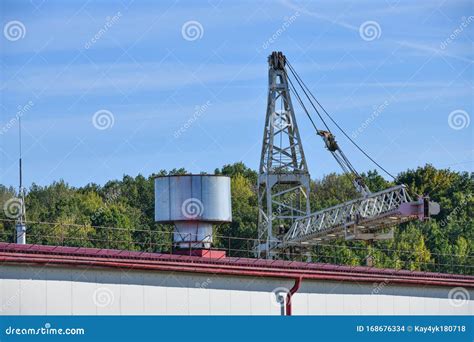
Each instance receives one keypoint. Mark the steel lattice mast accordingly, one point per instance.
(284, 180)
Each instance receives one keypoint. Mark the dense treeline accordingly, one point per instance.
(62, 214)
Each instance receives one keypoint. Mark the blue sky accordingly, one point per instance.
(197, 98)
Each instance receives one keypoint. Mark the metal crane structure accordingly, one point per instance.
(285, 218)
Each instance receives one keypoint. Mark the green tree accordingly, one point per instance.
(244, 214)
(120, 214)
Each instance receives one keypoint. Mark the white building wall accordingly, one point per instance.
(337, 298)
(38, 290)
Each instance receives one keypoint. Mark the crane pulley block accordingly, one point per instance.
(329, 140)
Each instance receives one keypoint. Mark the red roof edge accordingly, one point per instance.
(93, 257)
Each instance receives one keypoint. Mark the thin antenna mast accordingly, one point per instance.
(21, 220)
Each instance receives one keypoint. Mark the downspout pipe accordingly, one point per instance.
(293, 290)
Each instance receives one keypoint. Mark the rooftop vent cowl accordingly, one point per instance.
(193, 203)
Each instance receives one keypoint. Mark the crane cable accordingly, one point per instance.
(336, 157)
(293, 89)
(304, 86)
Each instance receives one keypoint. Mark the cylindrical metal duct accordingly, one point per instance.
(193, 203)
(20, 233)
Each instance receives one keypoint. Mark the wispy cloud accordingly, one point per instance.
(108, 78)
(433, 51)
(365, 11)
(319, 15)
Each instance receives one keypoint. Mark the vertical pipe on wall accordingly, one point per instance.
(293, 290)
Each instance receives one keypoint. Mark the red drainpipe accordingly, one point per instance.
(291, 293)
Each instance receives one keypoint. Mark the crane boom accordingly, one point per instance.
(360, 219)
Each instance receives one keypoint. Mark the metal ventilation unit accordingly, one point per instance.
(193, 203)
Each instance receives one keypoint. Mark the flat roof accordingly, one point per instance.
(11, 253)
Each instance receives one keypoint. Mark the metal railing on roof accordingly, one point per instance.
(161, 241)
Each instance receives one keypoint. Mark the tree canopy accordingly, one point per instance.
(120, 214)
